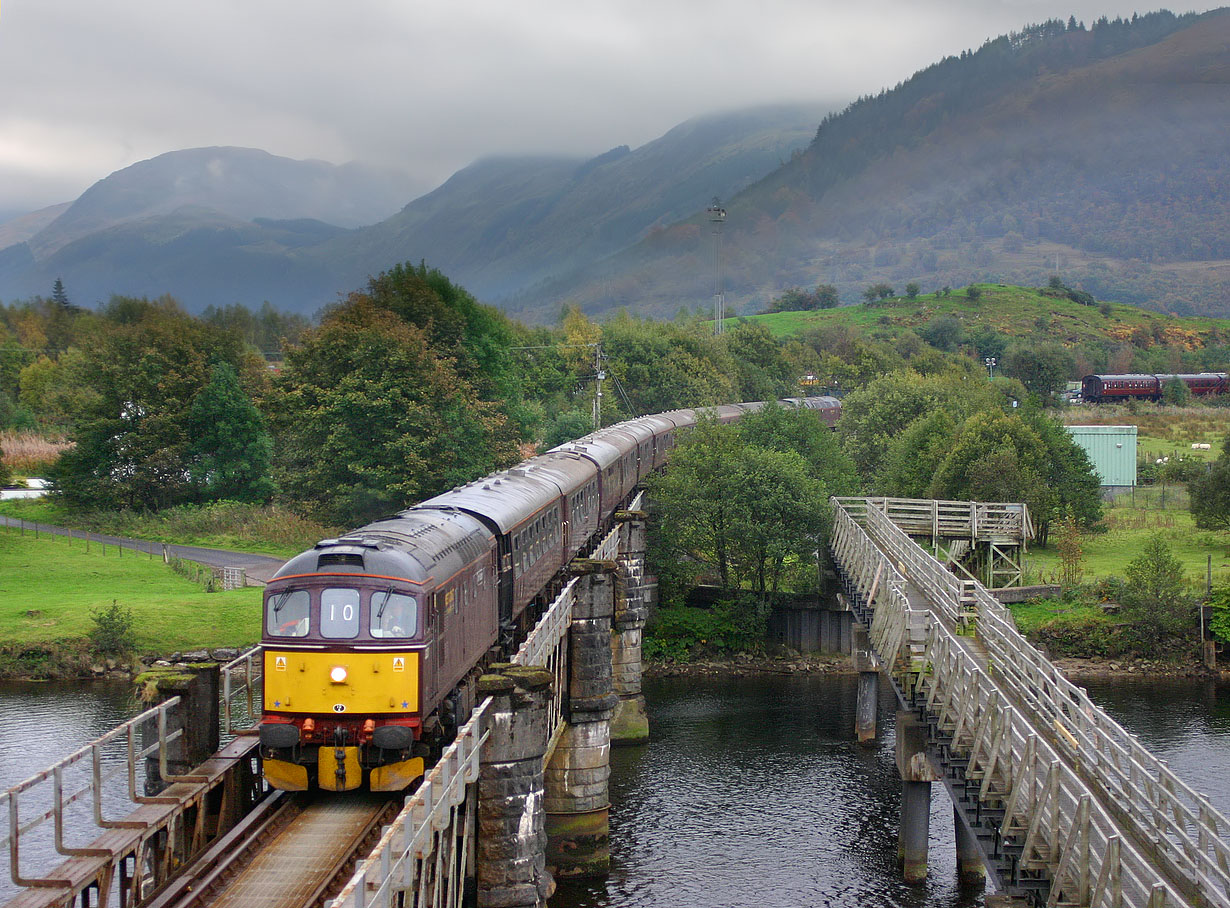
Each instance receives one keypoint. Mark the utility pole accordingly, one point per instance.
(717, 217)
(599, 375)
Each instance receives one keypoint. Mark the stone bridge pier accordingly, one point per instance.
(630, 724)
(578, 773)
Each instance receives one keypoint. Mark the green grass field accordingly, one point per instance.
(49, 586)
(1129, 528)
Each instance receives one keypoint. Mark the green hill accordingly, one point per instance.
(1020, 312)
(1099, 150)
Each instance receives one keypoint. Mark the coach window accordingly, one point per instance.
(393, 615)
(286, 613)
(339, 613)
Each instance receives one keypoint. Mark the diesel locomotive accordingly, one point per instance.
(373, 641)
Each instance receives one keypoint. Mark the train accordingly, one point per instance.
(373, 642)
(1102, 388)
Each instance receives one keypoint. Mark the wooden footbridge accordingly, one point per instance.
(1066, 807)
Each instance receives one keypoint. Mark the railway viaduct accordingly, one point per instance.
(1053, 801)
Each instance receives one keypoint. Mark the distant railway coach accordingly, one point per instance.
(1148, 386)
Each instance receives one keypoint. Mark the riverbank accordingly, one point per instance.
(72, 660)
(746, 664)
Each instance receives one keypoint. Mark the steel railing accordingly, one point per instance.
(240, 678)
(103, 766)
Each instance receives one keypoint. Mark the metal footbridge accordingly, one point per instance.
(1068, 808)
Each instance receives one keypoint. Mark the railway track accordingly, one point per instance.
(292, 851)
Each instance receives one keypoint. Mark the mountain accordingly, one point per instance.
(22, 227)
(177, 220)
(504, 224)
(216, 226)
(1099, 150)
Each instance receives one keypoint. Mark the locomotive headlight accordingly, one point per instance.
(337, 674)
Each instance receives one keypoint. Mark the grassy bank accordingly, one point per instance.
(263, 529)
(1129, 527)
(49, 586)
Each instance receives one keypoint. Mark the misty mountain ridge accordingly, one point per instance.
(215, 226)
(1096, 151)
(1100, 150)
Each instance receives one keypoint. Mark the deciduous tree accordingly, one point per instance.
(371, 418)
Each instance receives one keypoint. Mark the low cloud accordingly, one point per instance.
(430, 86)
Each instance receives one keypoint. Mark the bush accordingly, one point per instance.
(1083, 638)
(113, 633)
(682, 633)
(1155, 599)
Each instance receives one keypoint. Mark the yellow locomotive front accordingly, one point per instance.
(342, 681)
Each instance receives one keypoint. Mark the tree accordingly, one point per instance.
(1210, 494)
(1155, 598)
(879, 291)
(915, 455)
(1042, 367)
(826, 296)
(973, 292)
(1176, 392)
(59, 296)
(1071, 551)
(912, 290)
(1069, 475)
(944, 332)
(372, 417)
(231, 449)
(802, 432)
(144, 367)
(996, 457)
(565, 427)
(743, 510)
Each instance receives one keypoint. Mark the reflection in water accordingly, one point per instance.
(752, 792)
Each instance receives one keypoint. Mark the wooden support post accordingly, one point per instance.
(867, 666)
(971, 871)
(917, 774)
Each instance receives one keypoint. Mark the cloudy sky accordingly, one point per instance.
(429, 86)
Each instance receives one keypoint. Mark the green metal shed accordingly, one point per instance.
(1111, 450)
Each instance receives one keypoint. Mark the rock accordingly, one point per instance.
(97, 669)
(225, 654)
(162, 663)
(196, 655)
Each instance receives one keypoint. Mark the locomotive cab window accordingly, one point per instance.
(286, 613)
(393, 615)
(339, 612)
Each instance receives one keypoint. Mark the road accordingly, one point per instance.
(258, 568)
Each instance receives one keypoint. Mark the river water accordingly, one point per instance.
(751, 793)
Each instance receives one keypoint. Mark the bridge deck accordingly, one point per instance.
(136, 831)
(292, 869)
